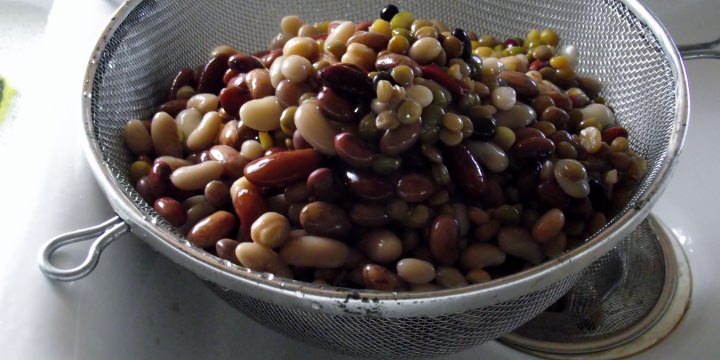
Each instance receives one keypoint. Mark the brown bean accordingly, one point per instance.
(185, 77)
(450, 277)
(259, 258)
(556, 116)
(397, 140)
(249, 205)
(210, 79)
(229, 135)
(373, 40)
(173, 107)
(415, 271)
(548, 226)
(486, 232)
(289, 93)
(314, 251)
(518, 242)
(211, 229)
(528, 132)
(542, 102)
(244, 63)
(481, 255)
(534, 148)
(348, 81)
(164, 133)
(415, 188)
(376, 277)
(353, 150)
(368, 185)
(334, 106)
(225, 249)
(389, 61)
(233, 163)
(325, 219)
(232, 98)
(271, 230)
(444, 240)
(552, 195)
(137, 138)
(381, 246)
(258, 83)
(465, 170)
(561, 100)
(322, 185)
(297, 192)
(171, 210)
(369, 215)
(491, 156)
(523, 84)
(556, 246)
(478, 276)
(217, 194)
(282, 169)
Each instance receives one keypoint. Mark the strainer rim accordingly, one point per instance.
(343, 301)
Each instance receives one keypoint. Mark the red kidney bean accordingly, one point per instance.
(465, 170)
(211, 75)
(321, 184)
(225, 249)
(232, 98)
(535, 148)
(269, 58)
(233, 163)
(444, 240)
(369, 215)
(299, 142)
(552, 195)
(159, 178)
(610, 134)
(243, 63)
(348, 81)
(289, 93)
(538, 64)
(523, 84)
(415, 188)
(185, 77)
(145, 190)
(527, 132)
(556, 116)
(284, 168)
(560, 136)
(230, 74)
(561, 100)
(377, 277)
(173, 107)
(211, 229)
(353, 151)
(274, 150)
(391, 60)
(363, 26)
(368, 185)
(334, 106)
(171, 210)
(325, 219)
(249, 205)
(397, 140)
(437, 74)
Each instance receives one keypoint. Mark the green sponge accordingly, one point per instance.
(6, 94)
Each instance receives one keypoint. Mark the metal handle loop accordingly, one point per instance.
(103, 234)
(708, 50)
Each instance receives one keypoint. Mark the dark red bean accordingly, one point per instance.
(415, 188)
(159, 177)
(269, 58)
(249, 205)
(523, 84)
(211, 76)
(321, 184)
(274, 150)
(185, 77)
(368, 185)
(325, 219)
(598, 195)
(348, 81)
(363, 26)
(145, 190)
(209, 230)
(551, 195)
(299, 142)
(397, 140)
(538, 64)
(379, 278)
(243, 63)
(528, 132)
(437, 74)
(334, 106)
(610, 134)
(369, 215)
(233, 163)
(465, 170)
(284, 168)
(542, 102)
(494, 196)
(173, 107)
(229, 75)
(389, 61)
(444, 240)
(556, 116)
(232, 98)
(353, 150)
(289, 93)
(217, 194)
(561, 100)
(534, 148)
(171, 210)
(225, 249)
(560, 136)
(527, 179)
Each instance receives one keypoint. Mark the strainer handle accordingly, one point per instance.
(708, 50)
(103, 234)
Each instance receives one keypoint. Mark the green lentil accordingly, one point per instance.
(512, 51)
(185, 92)
(383, 164)
(452, 122)
(566, 150)
(402, 20)
(402, 74)
(287, 120)
(487, 40)
(549, 37)
(504, 137)
(425, 31)
(367, 129)
(409, 112)
(384, 91)
(450, 138)
(398, 44)
(387, 120)
(404, 33)
(441, 175)
(453, 46)
(468, 128)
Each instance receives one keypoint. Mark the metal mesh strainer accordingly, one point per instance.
(620, 43)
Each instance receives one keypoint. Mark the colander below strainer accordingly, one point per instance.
(620, 43)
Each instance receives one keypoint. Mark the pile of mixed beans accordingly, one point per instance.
(393, 154)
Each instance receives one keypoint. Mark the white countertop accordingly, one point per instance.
(139, 305)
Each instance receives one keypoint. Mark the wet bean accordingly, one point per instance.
(249, 205)
(376, 277)
(487, 231)
(481, 255)
(369, 215)
(259, 258)
(397, 140)
(262, 114)
(211, 76)
(244, 63)
(303, 46)
(368, 185)
(315, 128)
(232, 161)
(325, 219)
(232, 98)
(489, 155)
(348, 81)
(572, 178)
(283, 168)
(171, 210)
(185, 77)
(225, 249)
(548, 226)
(449, 278)
(197, 176)
(205, 133)
(335, 107)
(520, 115)
(137, 138)
(465, 170)
(217, 194)
(415, 188)
(211, 229)
(518, 242)
(391, 60)
(270, 230)
(415, 271)
(444, 240)
(315, 252)
(523, 85)
(599, 112)
(534, 148)
(381, 246)
(164, 134)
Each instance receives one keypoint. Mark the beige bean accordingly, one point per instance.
(449, 277)
(188, 120)
(291, 24)
(251, 149)
(314, 251)
(259, 258)
(478, 276)
(481, 255)
(165, 137)
(308, 30)
(303, 46)
(239, 184)
(425, 50)
(174, 162)
(341, 33)
(420, 94)
(296, 68)
(491, 156)
(518, 242)
(548, 226)
(360, 55)
(205, 133)
(381, 246)
(315, 128)
(262, 114)
(195, 177)
(275, 71)
(203, 102)
(415, 271)
(137, 138)
(212, 228)
(259, 83)
(270, 230)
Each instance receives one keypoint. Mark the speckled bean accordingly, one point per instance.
(314, 251)
(211, 229)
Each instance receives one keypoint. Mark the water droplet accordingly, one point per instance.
(316, 306)
(267, 276)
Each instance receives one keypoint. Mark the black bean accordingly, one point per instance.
(388, 12)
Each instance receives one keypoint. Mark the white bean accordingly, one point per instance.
(195, 177)
(315, 128)
(262, 114)
(205, 133)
